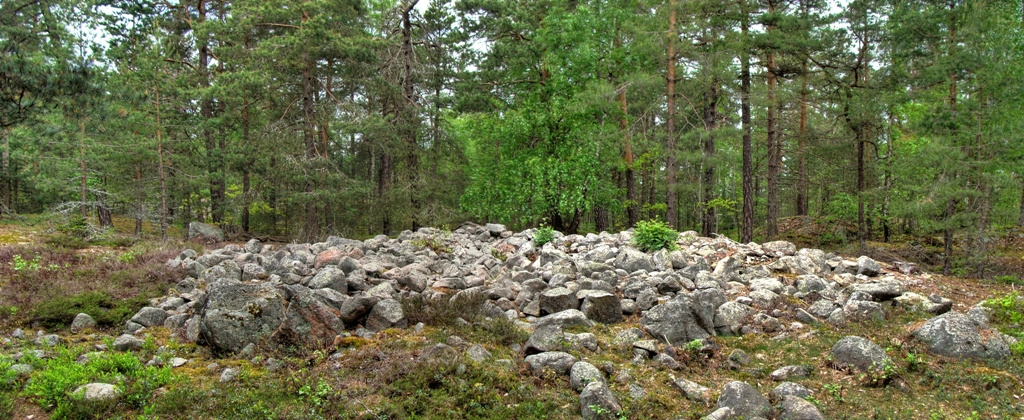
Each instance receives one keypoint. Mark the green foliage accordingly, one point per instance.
(51, 385)
(20, 264)
(1008, 317)
(653, 235)
(76, 226)
(107, 311)
(543, 235)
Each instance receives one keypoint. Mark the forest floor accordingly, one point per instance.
(47, 277)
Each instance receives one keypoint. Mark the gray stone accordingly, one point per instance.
(603, 307)
(790, 372)
(355, 308)
(495, 229)
(598, 403)
(204, 233)
(565, 319)
(789, 389)
(770, 283)
(730, 316)
(956, 335)
(544, 339)
(127, 342)
(150, 317)
(868, 266)
(557, 300)
(692, 390)
(859, 310)
(810, 283)
(822, 308)
(937, 305)
(779, 248)
(859, 354)
(880, 291)
(806, 317)
(796, 408)
(478, 353)
(675, 322)
(228, 375)
(97, 391)
(631, 260)
(583, 373)
(82, 322)
(329, 278)
(744, 400)
(49, 340)
(386, 314)
(723, 413)
(557, 361)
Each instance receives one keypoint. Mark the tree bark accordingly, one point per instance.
(632, 205)
(671, 201)
(5, 183)
(206, 111)
(801, 185)
(246, 171)
(947, 234)
(81, 162)
(409, 118)
(312, 223)
(774, 149)
(709, 222)
(160, 167)
(138, 200)
(748, 159)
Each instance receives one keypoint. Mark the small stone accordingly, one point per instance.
(82, 322)
(228, 375)
(178, 362)
(127, 342)
(693, 390)
(789, 388)
(744, 400)
(798, 408)
(478, 353)
(49, 340)
(790, 372)
(583, 373)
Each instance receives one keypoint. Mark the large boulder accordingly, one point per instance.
(602, 307)
(236, 314)
(557, 300)
(583, 373)
(204, 233)
(676, 322)
(956, 335)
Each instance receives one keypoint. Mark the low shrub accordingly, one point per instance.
(543, 235)
(108, 312)
(443, 310)
(653, 235)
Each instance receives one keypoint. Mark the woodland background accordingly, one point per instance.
(867, 120)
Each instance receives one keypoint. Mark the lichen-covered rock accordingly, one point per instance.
(797, 408)
(556, 361)
(97, 391)
(956, 335)
(582, 373)
(82, 322)
(859, 354)
(598, 403)
(603, 307)
(744, 400)
(386, 314)
(675, 322)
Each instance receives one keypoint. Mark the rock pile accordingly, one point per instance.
(310, 294)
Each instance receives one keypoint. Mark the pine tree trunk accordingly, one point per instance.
(138, 200)
(81, 162)
(312, 223)
(709, 221)
(774, 149)
(801, 186)
(409, 117)
(160, 167)
(5, 182)
(748, 159)
(671, 201)
(246, 171)
(632, 205)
